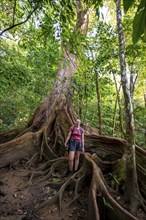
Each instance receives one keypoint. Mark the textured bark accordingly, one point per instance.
(19, 148)
(132, 80)
(9, 135)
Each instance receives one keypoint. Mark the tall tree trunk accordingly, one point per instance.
(145, 128)
(120, 107)
(132, 80)
(98, 101)
(67, 67)
(132, 188)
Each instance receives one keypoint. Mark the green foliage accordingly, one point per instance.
(56, 179)
(139, 112)
(28, 68)
(30, 55)
(106, 203)
(114, 178)
(101, 54)
(14, 13)
(99, 57)
(127, 4)
(139, 22)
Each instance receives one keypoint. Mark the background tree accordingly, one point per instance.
(132, 188)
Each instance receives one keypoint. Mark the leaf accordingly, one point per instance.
(106, 203)
(145, 27)
(97, 3)
(97, 12)
(56, 180)
(127, 4)
(139, 22)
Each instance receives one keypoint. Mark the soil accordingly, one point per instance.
(18, 201)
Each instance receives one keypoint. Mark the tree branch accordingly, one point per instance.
(14, 10)
(22, 22)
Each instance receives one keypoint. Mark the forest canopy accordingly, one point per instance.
(30, 54)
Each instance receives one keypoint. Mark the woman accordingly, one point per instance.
(75, 144)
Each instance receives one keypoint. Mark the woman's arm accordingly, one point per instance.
(67, 139)
(83, 142)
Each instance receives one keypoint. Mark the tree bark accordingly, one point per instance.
(132, 80)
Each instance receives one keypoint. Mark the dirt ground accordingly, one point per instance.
(18, 202)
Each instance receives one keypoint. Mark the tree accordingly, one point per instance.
(46, 133)
(132, 188)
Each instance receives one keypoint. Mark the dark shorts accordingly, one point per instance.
(74, 145)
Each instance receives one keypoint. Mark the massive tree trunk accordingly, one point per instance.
(45, 136)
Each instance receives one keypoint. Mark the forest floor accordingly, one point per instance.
(18, 202)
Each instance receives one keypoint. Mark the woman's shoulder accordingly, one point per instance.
(82, 129)
(71, 128)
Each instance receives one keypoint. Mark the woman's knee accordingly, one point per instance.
(71, 156)
(77, 157)
(70, 160)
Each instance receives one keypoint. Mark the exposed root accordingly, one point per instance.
(98, 186)
(71, 182)
(50, 137)
(17, 149)
(32, 160)
(29, 129)
(69, 115)
(100, 162)
(46, 149)
(42, 147)
(47, 170)
(9, 135)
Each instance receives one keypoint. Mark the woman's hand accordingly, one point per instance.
(66, 147)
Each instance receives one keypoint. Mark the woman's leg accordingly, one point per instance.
(71, 156)
(77, 157)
